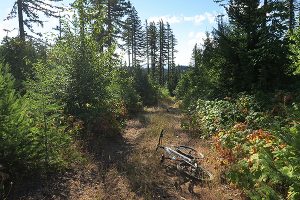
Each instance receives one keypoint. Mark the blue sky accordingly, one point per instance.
(189, 19)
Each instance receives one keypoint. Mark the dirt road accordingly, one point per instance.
(128, 167)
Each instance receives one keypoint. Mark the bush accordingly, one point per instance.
(146, 88)
(33, 129)
(50, 127)
(260, 149)
(16, 151)
(124, 97)
(20, 56)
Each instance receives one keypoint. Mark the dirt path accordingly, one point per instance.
(127, 166)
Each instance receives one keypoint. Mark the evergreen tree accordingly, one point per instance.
(163, 51)
(115, 11)
(291, 12)
(295, 52)
(20, 56)
(169, 50)
(174, 72)
(173, 49)
(86, 87)
(153, 38)
(250, 39)
(147, 46)
(31, 9)
(14, 125)
(46, 93)
(134, 37)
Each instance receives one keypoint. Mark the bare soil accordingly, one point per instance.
(127, 166)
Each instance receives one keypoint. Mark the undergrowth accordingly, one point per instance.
(259, 141)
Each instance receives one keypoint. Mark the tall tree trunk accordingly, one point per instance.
(60, 26)
(265, 12)
(291, 15)
(21, 20)
(132, 47)
(168, 46)
(109, 23)
(161, 49)
(82, 29)
(147, 48)
(128, 55)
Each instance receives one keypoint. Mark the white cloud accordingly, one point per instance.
(199, 19)
(196, 38)
(196, 19)
(166, 18)
(186, 45)
(185, 49)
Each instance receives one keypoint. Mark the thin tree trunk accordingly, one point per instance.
(60, 26)
(291, 15)
(265, 10)
(21, 20)
(109, 24)
(168, 46)
(82, 30)
(128, 54)
(132, 47)
(147, 48)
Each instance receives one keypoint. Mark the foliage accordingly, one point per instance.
(20, 56)
(146, 88)
(164, 92)
(46, 110)
(125, 98)
(193, 86)
(294, 47)
(134, 38)
(14, 126)
(241, 54)
(160, 50)
(98, 92)
(34, 132)
(259, 146)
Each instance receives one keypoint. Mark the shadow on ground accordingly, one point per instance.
(126, 166)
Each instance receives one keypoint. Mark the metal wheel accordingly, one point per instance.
(190, 152)
(198, 173)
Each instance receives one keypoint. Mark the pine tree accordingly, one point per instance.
(153, 40)
(169, 50)
(127, 35)
(115, 11)
(291, 12)
(46, 93)
(20, 56)
(134, 38)
(31, 9)
(163, 51)
(14, 125)
(173, 49)
(147, 46)
(248, 42)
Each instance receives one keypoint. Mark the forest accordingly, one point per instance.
(62, 99)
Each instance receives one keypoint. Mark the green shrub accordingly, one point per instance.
(16, 149)
(209, 117)
(261, 149)
(123, 94)
(49, 126)
(146, 88)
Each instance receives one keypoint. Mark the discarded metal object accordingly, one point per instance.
(187, 160)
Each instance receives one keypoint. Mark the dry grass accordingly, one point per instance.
(128, 167)
(149, 179)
